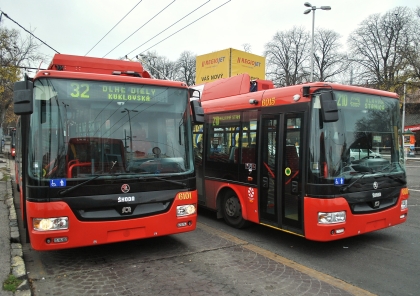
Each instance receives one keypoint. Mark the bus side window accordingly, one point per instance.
(292, 160)
(248, 155)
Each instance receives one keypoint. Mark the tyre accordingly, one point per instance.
(232, 210)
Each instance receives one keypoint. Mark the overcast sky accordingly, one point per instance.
(75, 26)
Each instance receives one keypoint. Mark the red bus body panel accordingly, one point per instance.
(88, 233)
(354, 225)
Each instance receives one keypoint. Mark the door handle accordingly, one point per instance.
(295, 187)
(265, 182)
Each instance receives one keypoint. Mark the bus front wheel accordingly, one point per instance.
(232, 210)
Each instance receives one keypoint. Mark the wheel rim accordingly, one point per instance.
(232, 207)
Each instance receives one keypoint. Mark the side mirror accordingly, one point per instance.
(329, 108)
(194, 93)
(197, 111)
(23, 97)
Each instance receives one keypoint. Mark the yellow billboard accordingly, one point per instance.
(227, 63)
(212, 66)
(244, 62)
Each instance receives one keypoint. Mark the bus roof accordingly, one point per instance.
(64, 62)
(235, 93)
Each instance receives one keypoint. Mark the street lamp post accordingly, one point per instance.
(403, 127)
(129, 123)
(313, 8)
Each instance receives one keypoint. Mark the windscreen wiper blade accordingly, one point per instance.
(167, 180)
(62, 192)
(344, 189)
(399, 179)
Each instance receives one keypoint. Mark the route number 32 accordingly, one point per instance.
(80, 90)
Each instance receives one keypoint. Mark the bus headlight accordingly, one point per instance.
(332, 217)
(404, 204)
(185, 210)
(45, 224)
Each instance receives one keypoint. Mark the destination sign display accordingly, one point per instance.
(222, 119)
(94, 90)
(105, 91)
(360, 101)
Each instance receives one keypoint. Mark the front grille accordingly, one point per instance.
(127, 211)
(373, 206)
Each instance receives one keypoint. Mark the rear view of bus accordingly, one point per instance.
(106, 154)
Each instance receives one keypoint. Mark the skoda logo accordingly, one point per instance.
(375, 185)
(126, 188)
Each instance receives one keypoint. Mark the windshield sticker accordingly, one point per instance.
(339, 181)
(57, 182)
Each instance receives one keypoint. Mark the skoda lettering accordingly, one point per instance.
(126, 198)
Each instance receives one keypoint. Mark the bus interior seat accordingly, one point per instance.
(94, 152)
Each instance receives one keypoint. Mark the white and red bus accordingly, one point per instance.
(104, 154)
(306, 159)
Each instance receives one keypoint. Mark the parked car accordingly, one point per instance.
(361, 153)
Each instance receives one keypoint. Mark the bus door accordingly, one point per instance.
(281, 197)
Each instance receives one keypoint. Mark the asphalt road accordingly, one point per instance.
(385, 262)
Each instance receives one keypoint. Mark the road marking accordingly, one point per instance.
(306, 270)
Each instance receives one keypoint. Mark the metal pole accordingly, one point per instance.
(403, 115)
(312, 49)
(131, 135)
(403, 126)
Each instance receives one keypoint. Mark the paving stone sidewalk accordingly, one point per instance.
(11, 256)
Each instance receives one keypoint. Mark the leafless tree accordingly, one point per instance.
(246, 47)
(185, 68)
(329, 62)
(158, 66)
(413, 52)
(16, 54)
(377, 46)
(286, 55)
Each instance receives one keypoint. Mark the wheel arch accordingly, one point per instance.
(221, 193)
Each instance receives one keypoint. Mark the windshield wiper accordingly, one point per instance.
(62, 192)
(392, 167)
(166, 180)
(344, 189)
(399, 179)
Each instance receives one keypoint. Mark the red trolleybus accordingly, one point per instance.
(306, 159)
(13, 142)
(105, 154)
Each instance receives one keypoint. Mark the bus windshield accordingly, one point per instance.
(81, 129)
(360, 142)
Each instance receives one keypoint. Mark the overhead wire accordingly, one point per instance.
(113, 27)
(184, 27)
(139, 28)
(169, 27)
(3, 13)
